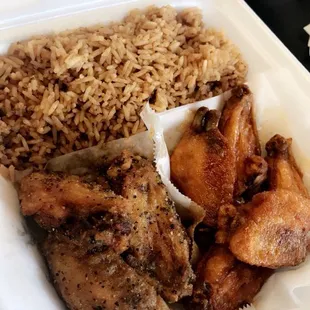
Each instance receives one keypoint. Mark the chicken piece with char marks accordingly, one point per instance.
(131, 223)
(159, 246)
(53, 198)
(202, 165)
(97, 280)
(272, 229)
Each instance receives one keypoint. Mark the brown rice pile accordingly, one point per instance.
(64, 92)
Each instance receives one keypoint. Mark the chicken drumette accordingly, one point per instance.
(53, 198)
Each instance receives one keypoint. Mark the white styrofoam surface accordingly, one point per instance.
(23, 281)
(15, 12)
(23, 285)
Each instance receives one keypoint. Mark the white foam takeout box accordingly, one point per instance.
(282, 91)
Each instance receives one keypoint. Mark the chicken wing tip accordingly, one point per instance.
(205, 119)
(241, 90)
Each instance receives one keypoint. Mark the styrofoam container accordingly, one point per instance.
(281, 85)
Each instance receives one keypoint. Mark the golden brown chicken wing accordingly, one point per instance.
(202, 165)
(159, 246)
(272, 231)
(224, 283)
(238, 125)
(89, 280)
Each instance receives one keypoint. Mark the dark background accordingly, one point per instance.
(286, 18)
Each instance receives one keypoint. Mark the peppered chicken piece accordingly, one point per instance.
(52, 198)
(203, 165)
(272, 231)
(238, 125)
(134, 219)
(159, 246)
(224, 283)
(89, 280)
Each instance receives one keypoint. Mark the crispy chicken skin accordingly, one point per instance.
(97, 280)
(202, 165)
(53, 198)
(224, 283)
(272, 232)
(238, 125)
(159, 245)
(134, 219)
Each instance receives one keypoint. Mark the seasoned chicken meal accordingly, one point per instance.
(122, 236)
(114, 240)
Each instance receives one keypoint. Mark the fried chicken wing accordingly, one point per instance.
(53, 198)
(238, 125)
(202, 165)
(224, 283)
(273, 230)
(159, 244)
(97, 280)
